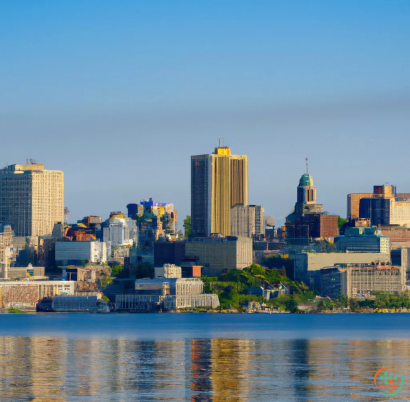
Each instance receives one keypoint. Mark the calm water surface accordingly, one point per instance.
(200, 357)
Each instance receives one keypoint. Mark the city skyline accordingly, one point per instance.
(280, 220)
(204, 200)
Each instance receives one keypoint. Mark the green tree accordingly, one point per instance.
(341, 221)
(116, 270)
(353, 304)
(187, 226)
(291, 305)
(342, 301)
(229, 297)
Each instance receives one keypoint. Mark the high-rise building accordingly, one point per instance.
(119, 230)
(219, 181)
(386, 211)
(308, 220)
(31, 199)
(383, 192)
(247, 220)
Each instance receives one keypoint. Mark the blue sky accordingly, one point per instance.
(118, 95)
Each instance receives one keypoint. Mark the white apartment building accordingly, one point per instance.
(92, 251)
(119, 230)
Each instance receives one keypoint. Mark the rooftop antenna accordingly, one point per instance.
(223, 142)
(307, 166)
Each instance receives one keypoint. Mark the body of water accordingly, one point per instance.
(200, 357)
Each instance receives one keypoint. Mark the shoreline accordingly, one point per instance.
(327, 312)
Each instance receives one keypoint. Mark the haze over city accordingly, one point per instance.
(204, 200)
(119, 98)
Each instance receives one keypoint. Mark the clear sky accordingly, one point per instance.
(119, 94)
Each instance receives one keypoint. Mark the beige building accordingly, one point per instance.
(219, 253)
(400, 212)
(24, 295)
(247, 220)
(218, 182)
(168, 271)
(31, 199)
(356, 280)
(306, 263)
(191, 300)
(6, 243)
(167, 293)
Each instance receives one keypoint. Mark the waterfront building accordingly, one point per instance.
(363, 239)
(305, 266)
(191, 301)
(166, 293)
(31, 199)
(217, 253)
(79, 304)
(358, 280)
(138, 303)
(74, 252)
(308, 220)
(247, 220)
(171, 286)
(24, 295)
(219, 181)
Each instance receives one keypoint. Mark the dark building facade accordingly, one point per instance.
(132, 210)
(200, 195)
(308, 219)
(375, 209)
(168, 253)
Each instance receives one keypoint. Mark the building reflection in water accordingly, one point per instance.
(201, 370)
(105, 369)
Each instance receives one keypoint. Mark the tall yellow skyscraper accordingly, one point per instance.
(31, 198)
(218, 182)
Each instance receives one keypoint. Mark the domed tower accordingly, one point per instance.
(306, 197)
(306, 190)
(309, 221)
